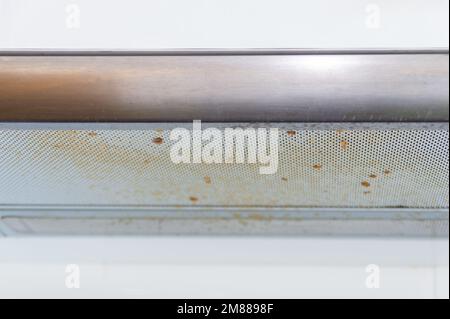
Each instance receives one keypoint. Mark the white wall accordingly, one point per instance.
(153, 24)
(224, 267)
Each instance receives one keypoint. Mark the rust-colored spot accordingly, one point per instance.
(284, 179)
(367, 193)
(147, 161)
(365, 184)
(207, 179)
(291, 133)
(193, 199)
(373, 176)
(339, 132)
(259, 217)
(240, 219)
(158, 140)
(317, 166)
(344, 144)
(387, 172)
(92, 134)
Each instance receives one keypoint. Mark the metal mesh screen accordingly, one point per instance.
(367, 168)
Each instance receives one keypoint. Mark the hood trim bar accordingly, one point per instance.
(225, 86)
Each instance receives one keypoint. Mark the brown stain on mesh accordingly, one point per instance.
(344, 145)
(193, 199)
(365, 184)
(373, 176)
(158, 140)
(95, 158)
(137, 165)
(284, 179)
(291, 133)
(317, 167)
(207, 179)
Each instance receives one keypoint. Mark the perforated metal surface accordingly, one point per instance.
(318, 167)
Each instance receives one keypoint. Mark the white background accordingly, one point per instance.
(156, 24)
(223, 267)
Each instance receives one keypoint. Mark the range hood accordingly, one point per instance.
(362, 142)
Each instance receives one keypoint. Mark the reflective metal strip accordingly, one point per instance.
(27, 221)
(302, 86)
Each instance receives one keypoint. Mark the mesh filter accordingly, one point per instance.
(354, 168)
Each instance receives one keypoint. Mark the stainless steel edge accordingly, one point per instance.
(365, 126)
(238, 221)
(218, 86)
(215, 51)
